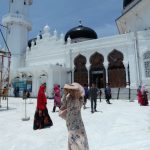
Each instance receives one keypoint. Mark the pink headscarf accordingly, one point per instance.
(57, 96)
(56, 87)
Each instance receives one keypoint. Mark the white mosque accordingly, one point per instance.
(121, 60)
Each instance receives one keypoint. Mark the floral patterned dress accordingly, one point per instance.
(77, 138)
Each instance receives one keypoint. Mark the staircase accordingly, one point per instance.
(122, 93)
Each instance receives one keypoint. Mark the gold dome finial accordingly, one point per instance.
(80, 22)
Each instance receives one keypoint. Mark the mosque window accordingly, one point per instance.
(147, 64)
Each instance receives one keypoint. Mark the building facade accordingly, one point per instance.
(121, 60)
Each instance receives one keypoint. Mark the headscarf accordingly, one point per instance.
(41, 99)
(139, 88)
(56, 87)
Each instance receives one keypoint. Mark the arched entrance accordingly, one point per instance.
(80, 70)
(97, 70)
(116, 69)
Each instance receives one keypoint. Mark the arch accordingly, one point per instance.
(146, 60)
(146, 55)
(96, 60)
(43, 73)
(80, 70)
(23, 80)
(97, 70)
(43, 78)
(116, 69)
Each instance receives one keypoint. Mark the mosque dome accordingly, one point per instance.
(81, 32)
(126, 3)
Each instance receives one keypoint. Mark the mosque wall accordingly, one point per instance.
(60, 57)
(124, 43)
(136, 19)
(144, 56)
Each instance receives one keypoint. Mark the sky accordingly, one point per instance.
(63, 15)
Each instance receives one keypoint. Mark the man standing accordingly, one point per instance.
(108, 94)
(93, 96)
(5, 93)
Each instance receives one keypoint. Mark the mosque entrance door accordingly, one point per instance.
(116, 69)
(97, 70)
(98, 78)
(80, 71)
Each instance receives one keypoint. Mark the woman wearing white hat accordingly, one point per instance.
(77, 138)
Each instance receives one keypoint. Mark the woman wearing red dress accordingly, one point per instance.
(144, 96)
(41, 117)
(139, 95)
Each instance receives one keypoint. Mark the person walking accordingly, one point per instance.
(139, 95)
(57, 97)
(144, 92)
(86, 95)
(24, 97)
(93, 93)
(73, 101)
(108, 94)
(17, 91)
(41, 117)
(100, 95)
(5, 93)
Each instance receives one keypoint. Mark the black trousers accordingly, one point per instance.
(108, 97)
(54, 108)
(93, 102)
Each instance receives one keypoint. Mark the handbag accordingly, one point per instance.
(63, 114)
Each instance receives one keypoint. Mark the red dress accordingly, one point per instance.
(139, 94)
(41, 99)
(142, 98)
(41, 117)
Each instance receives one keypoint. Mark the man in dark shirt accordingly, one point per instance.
(93, 96)
(108, 94)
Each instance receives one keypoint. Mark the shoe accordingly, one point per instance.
(95, 110)
(92, 111)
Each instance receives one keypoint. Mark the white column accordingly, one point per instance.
(34, 85)
(106, 69)
(72, 73)
(126, 69)
(88, 69)
(50, 83)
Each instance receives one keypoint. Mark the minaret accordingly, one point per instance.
(17, 34)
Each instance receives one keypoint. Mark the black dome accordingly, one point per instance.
(126, 3)
(81, 32)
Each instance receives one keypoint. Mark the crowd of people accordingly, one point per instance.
(69, 104)
(75, 96)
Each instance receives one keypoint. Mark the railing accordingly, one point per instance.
(17, 16)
